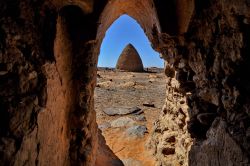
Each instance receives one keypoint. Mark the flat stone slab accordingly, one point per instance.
(138, 112)
(137, 131)
(148, 104)
(131, 162)
(141, 118)
(121, 110)
(122, 122)
(104, 126)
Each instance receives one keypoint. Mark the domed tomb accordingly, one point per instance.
(130, 60)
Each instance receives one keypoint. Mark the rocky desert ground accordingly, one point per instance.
(127, 104)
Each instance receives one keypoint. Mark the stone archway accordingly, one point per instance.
(145, 14)
(174, 50)
(76, 55)
(175, 114)
(68, 118)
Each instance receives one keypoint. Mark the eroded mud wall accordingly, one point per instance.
(47, 74)
(27, 36)
(211, 63)
(219, 57)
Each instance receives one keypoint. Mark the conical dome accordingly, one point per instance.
(130, 60)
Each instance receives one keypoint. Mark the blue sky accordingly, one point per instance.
(123, 31)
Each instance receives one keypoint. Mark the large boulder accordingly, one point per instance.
(130, 60)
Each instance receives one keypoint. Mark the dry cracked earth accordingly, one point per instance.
(127, 104)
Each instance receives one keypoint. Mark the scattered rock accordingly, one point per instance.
(140, 118)
(152, 76)
(127, 84)
(152, 80)
(148, 104)
(138, 112)
(104, 126)
(136, 131)
(122, 122)
(131, 162)
(120, 110)
(104, 84)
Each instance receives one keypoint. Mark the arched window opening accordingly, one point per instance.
(127, 102)
(123, 31)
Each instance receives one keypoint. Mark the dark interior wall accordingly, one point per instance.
(46, 105)
(27, 34)
(174, 15)
(211, 62)
(81, 30)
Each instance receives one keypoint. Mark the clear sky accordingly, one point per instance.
(123, 31)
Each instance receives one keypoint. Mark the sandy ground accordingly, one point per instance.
(116, 89)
